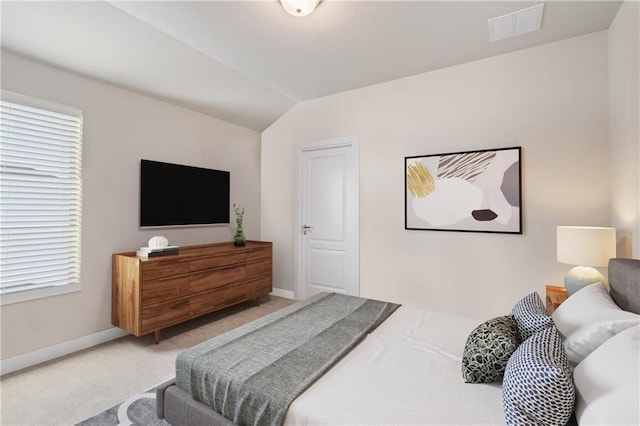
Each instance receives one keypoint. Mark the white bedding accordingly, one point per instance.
(408, 371)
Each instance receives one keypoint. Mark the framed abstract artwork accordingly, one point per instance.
(472, 191)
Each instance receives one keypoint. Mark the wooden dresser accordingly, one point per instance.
(151, 294)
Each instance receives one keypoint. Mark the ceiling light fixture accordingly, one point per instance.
(299, 7)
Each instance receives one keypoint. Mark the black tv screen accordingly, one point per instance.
(177, 195)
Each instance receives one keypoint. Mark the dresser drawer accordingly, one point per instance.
(214, 278)
(221, 298)
(164, 268)
(164, 314)
(162, 289)
(259, 287)
(217, 261)
(261, 253)
(262, 267)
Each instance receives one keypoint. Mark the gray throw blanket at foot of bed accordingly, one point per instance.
(252, 374)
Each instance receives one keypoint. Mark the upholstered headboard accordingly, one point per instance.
(624, 281)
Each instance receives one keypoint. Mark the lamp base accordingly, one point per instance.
(581, 276)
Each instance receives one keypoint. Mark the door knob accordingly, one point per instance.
(306, 228)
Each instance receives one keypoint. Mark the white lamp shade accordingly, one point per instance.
(299, 7)
(586, 245)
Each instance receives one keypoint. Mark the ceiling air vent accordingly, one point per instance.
(516, 23)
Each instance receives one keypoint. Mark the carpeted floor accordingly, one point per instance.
(73, 388)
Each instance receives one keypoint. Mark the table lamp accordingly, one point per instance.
(585, 246)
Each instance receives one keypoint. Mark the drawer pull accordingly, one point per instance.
(170, 278)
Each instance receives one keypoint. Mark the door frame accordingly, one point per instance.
(352, 143)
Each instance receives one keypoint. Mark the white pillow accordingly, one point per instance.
(589, 318)
(607, 390)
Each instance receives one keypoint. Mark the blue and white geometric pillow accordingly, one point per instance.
(537, 388)
(531, 316)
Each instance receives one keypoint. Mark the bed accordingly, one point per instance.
(419, 367)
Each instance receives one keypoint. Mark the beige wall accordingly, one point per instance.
(552, 100)
(624, 127)
(120, 128)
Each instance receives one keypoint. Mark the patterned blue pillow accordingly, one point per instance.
(531, 316)
(537, 388)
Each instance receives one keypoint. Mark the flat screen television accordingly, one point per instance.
(178, 195)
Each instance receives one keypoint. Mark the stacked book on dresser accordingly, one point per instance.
(146, 252)
(158, 246)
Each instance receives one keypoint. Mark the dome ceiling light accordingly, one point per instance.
(299, 7)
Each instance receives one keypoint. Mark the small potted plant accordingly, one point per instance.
(239, 239)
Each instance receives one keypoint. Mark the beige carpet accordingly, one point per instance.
(68, 390)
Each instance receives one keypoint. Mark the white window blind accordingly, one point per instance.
(40, 194)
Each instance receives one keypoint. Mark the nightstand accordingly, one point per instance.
(555, 296)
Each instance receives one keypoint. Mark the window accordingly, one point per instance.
(40, 198)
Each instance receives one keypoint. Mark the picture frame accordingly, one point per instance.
(467, 191)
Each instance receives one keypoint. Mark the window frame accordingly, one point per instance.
(55, 290)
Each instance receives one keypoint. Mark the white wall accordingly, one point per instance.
(624, 127)
(552, 100)
(120, 128)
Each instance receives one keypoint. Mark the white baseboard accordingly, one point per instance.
(29, 359)
(288, 294)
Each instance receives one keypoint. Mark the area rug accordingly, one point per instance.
(138, 410)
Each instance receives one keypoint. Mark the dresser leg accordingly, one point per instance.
(157, 336)
(258, 301)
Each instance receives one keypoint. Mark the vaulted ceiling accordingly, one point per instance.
(248, 62)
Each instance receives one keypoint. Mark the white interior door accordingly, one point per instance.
(328, 218)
